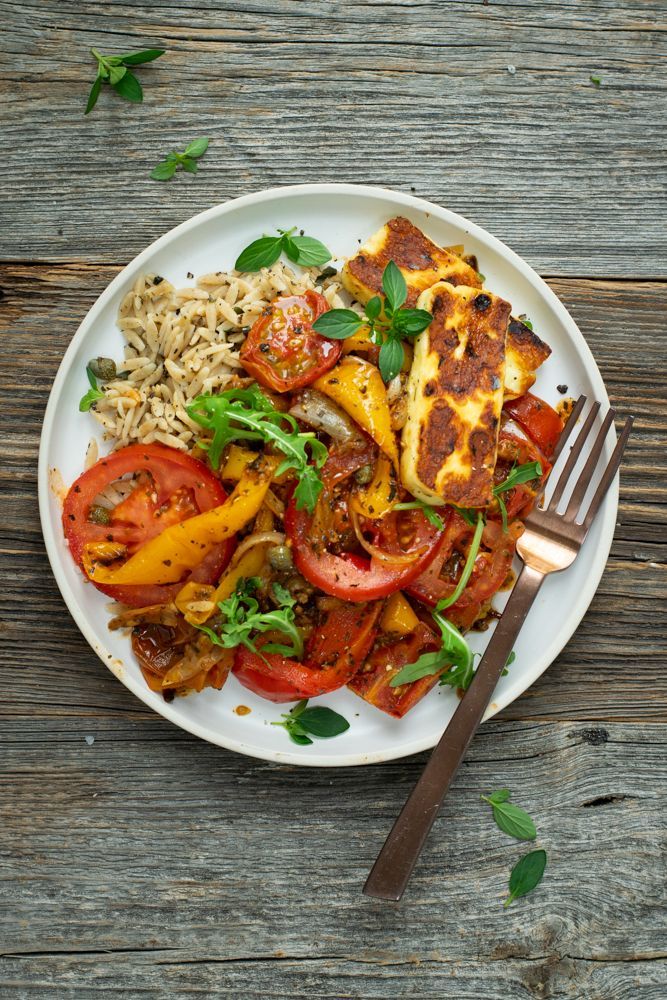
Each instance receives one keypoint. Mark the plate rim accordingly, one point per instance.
(45, 497)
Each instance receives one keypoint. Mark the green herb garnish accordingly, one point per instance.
(247, 415)
(241, 620)
(389, 324)
(301, 723)
(526, 875)
(509, 818)
(303, 250)
(429, 512)
(187, 160)
(93, 393)
(114, 70)
(447, 602)
(518, 474)
(595, 80)
(526, 322)
(455, 654)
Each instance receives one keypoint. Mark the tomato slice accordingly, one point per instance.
(514, 450)
(541, 422)
(282, 351)
(170, 487)
(372, 682)
(335, 651)
(353, 577)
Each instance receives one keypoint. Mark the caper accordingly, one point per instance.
(364, 475)
(103, 368)
(328, 272)
(280, 558)
(99, 515)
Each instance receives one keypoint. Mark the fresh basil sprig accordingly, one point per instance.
(526, 875)
(510, 818)
(388, 326)
(93, 393)
(429, 512)
(187, 160)
(240, 618)
(303, 250)
(114, 70)
(247, 415)
(518, 474)
(301, 723)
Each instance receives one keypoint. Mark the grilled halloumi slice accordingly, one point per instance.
(421, 262)
(455, 395)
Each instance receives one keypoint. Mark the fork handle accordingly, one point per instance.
(391, 872)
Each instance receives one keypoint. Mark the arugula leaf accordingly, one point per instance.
(113, 70)
(338, 324)
(454, 653)
(247, 414)
(301, 723)
(510, 818)
(187, 160)
(447, 602)
(526, 875)
(429, 512)
(264, 252)
(93, 393)
(394, 287)
(519, 474)
(241, 619)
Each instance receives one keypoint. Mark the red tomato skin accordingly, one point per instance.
(172, 472)
(372, 682)
(335, 651)
(350, 577)
(541, 422)
(282, 351)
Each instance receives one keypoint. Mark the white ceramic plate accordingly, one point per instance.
(340, 215)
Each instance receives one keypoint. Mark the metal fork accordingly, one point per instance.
(549, 544)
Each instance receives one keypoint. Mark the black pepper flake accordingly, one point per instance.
(264, 348)
(166, 562)
(158, 279)
(190, 274)
(562, 389)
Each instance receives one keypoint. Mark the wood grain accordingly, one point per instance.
(569, 174)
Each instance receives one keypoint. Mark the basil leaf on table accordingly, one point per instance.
(509, 818)
(526, 875)
(302, 722)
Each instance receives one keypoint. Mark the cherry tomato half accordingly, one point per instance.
(170, 487)
(541, 422)
(282, 351)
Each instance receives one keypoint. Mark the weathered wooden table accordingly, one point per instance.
(149, 862)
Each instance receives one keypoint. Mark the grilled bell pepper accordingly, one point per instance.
(378, 498)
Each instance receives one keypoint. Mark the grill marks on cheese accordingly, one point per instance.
(455, 395)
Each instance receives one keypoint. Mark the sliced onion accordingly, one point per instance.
(259, 538)
(317, 410)
(394, 558)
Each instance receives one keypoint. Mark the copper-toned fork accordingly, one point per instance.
(549, 544)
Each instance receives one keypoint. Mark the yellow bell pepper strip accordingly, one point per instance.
(237, 460)
(379, 497)
(357, 386)
(197, 603)
(181, 547)
(398, 617)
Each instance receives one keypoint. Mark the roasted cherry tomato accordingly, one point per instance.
(389, 656)
(170, 487)
(354, 577)
(513, 450)
(336, 649)
(541, 422)
(491, 567)
(282, 351)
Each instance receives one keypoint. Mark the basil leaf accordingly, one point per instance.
(390, 359)
(94, 94)
(144, 56)
(410, 322)
(322, 722)
(129, 88)
(526, 875)
(510, 818)
(373, 308)
(501, 795)
(298, 737)
(190, 166)
(196, 148)
(116, 73)
(306, 251)
(260, 253)
(394, 286)
(338, 324)
(164, 170)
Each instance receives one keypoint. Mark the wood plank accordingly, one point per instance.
(569, 174)
(146, 862)
(610, 669)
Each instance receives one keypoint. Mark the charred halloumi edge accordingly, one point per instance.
(404, 243)
(441, 461)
